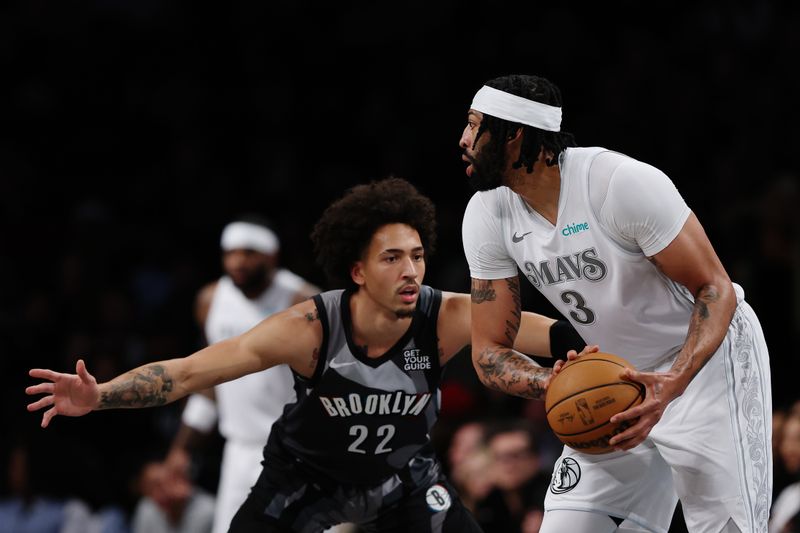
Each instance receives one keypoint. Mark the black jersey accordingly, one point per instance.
(360, 420)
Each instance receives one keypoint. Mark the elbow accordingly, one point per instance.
(184, 378)
(730, 299)
(718, 294)
(481, 363)
(476, 362)
(725, 291)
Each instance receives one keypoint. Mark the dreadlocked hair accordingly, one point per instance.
(533, 139)
(345, 230)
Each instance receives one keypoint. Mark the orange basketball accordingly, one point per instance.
(585, 395)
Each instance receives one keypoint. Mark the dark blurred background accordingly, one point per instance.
(131, 131)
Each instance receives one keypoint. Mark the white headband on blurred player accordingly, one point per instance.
(247, 236)
(511, 107)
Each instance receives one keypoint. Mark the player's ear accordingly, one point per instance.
(515, 136)
(357, 273)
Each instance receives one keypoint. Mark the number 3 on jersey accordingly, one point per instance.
(361, 432)
(581, 314)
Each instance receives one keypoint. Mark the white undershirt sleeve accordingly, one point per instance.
(481, 233)
(642, 208)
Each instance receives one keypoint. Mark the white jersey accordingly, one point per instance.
(592, 265)
(249, 405)
(712, 446)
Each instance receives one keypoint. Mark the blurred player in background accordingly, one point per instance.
(613, 246)
(252, 288)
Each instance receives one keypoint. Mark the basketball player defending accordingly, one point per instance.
(611, 243)
(252, 288)
(355, 446)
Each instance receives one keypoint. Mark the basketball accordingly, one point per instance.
(585, 395)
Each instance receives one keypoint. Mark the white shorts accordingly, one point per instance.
(712, 449)
(241, 466)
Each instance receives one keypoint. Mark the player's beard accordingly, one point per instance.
(488, 168)
(253, 282)
(404, 313)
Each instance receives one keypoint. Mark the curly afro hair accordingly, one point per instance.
(345, 230)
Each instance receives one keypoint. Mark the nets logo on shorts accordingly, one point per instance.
(438, 498)
(566, 475)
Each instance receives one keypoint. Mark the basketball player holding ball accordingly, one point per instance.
(612, 244)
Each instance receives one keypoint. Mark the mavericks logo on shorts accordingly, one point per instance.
(438, 498)
(566, 475)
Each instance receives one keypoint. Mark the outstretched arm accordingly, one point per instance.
(199, 414)
(149, 385)
(292, 337)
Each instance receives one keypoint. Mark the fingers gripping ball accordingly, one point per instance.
(585, 395)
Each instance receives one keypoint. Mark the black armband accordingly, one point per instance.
(563, 338)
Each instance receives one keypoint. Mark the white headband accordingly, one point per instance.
(247, 236)
(507, 106)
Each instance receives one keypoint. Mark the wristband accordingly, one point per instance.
(200, 413)
(563, 338)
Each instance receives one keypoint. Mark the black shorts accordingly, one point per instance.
(289, 498)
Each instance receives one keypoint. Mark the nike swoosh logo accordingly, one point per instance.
(518, 238)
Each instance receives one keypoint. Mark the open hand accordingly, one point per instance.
(661, 388)
(68, 394)
(571, 356)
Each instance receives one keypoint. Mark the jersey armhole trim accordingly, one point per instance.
(323, 349)
(436, 304)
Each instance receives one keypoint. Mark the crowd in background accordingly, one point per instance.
(133, 130)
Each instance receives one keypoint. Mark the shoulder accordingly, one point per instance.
(638, 186)
(292, 336)
(300, 288)
(305, 292)
(621, 169)
(485, 213)
(454, 304)
(625, 180)
(305, 328)
(303, 314)
(453, 324)
(488, 203)
(206, 292)
(484, 233)
(314, 313)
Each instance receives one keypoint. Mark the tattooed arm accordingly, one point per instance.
(534, 337)
(292, 337)
(691, 261)
(496, 316)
